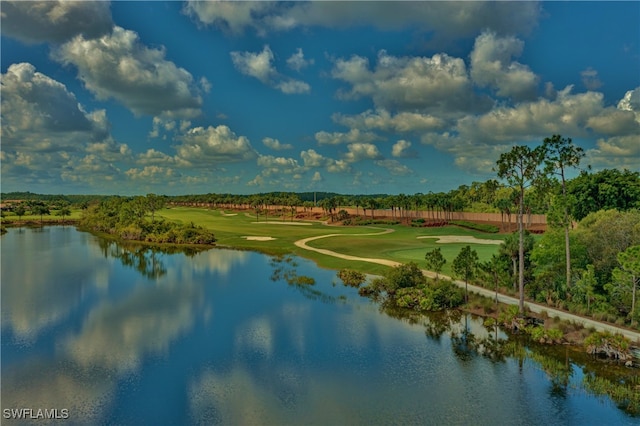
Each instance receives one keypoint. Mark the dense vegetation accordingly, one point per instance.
(127, 219)
(405, 286)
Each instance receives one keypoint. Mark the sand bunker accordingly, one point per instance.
(283, 223)
(256, 238)
(228, 214)
(444, 239)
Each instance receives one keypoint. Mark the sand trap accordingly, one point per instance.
(444, 239)
(283, 223)
(228, 214)
(250, 238)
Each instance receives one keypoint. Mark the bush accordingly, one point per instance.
(351, 278)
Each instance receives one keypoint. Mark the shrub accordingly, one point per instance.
(351, 278)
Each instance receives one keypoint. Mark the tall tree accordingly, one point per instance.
(520, 168)
(435, 261)
(40, 209)
(560, 154)
(155, 202)
(464, 266)
(629, 273)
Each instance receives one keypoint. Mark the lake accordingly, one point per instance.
(97, 332)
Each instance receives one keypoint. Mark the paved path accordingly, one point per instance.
(534, 307)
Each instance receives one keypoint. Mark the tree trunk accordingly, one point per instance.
(567, 248)
(521, 251)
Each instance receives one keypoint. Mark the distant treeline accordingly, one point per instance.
(587, 193)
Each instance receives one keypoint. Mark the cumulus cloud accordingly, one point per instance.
(55, 21)
(362, 151)
(260, 65)
(381, 119)
(205, 147)
(402, 149)
(336, 138)
(438, 84)
(276, 145)
(152, 174)
(311, 158)
(297, 61)
(279, 165)
(119, 66)
(48, 137)
(446, 19)
(317, 177)
(492, 66)
(568, 114)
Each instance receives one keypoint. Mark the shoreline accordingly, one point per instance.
(547, 311)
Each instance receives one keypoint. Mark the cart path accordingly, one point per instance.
(534, 307)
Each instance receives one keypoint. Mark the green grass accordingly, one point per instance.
(402, 245)
(9, 217)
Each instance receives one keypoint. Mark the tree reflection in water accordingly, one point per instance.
(284, 269)
(147, 260)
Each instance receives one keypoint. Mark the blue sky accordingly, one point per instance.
(349, 97)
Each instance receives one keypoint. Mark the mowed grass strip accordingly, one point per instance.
(230, 230)
(402, 245)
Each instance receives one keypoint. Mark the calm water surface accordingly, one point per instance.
(126, 335)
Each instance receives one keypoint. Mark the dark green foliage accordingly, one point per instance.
(351, 278)
(125, 218)
(435, 260)
(604, 190)
(406, 287)
(483, 227)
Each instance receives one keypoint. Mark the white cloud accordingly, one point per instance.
(297, 61)
(439, 84)
(279, 165)
(402, 149)
(207, 147)
(618, 152)
(447, 19)
(311, 158)
(119, 66)
(293, 87)
(40, 114)
(362, 151)
(568, 114)
(394, 167)
(260, 65)
(317, 177)
(276, 145)
(48, 137)
(352, 136)
(492, 66)
(381, 119)
(55, 21)
(152, 174)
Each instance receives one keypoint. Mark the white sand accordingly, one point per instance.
(444, 239)
(228, 214)
(255, 238)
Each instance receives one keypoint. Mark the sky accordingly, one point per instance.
(350, 97)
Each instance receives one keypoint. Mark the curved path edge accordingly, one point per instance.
(502, 298)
